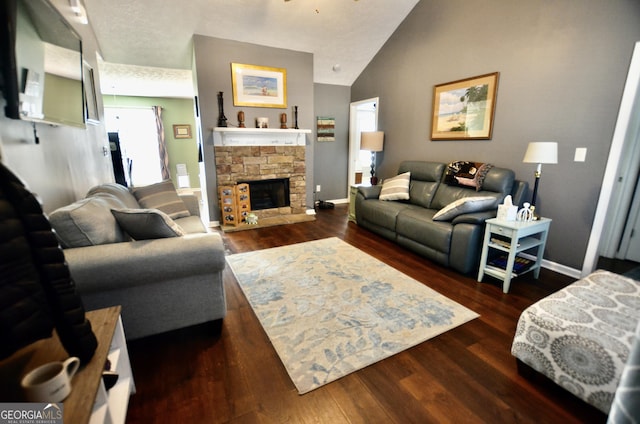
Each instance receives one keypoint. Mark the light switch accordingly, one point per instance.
(581, 154)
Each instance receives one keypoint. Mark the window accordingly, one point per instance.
(136, 128)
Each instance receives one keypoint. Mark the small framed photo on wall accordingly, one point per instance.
(182, 131)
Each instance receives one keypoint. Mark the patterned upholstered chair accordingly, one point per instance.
(581, 337)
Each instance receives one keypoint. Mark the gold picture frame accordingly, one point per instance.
(464, 109)
(182, 131)
(259, 86)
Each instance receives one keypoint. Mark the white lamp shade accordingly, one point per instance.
(372, 140)
(541, 152)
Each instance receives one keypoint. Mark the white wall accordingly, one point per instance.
(68, 161)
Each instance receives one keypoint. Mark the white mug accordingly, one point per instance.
(50, 382)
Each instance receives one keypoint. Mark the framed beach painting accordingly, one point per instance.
(464, 109)
(259, 86)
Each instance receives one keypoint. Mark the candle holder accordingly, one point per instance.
(222, 120)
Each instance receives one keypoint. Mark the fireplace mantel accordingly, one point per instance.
(223, 136)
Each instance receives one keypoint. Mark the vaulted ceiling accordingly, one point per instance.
(149, 42)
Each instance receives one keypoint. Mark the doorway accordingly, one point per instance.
(363, 116)
(630, 243)
(121, 165)
(621, 238)
(616, 203)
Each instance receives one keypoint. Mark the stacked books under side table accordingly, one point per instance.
(503, 240)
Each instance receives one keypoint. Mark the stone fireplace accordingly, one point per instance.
(269, 194)
(246, 155)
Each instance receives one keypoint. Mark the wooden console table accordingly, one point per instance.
(88, 401)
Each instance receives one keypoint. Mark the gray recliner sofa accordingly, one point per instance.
(454, 243)
(163, 282)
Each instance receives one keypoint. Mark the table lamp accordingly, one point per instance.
(540, 152)
(372, 141)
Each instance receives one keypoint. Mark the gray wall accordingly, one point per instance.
(213, 58)
(562, 65)
(68, 161)
(331, 157)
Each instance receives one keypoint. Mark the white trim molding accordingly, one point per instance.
(223, 136)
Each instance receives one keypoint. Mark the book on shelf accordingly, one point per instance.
(502, 242)
(520, 264)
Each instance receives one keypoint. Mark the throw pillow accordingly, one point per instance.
(396, 188)
(88, 222)
(162, 196)
(146, 224)
(465, 205)
(481, 174)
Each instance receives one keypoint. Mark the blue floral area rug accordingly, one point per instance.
(330, 309)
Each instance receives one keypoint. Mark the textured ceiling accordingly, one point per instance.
(158, 34)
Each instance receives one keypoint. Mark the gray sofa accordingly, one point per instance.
(455, 242)
(167, 276)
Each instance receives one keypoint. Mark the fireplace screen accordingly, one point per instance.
(269, 194)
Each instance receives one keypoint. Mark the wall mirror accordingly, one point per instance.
(49, 65)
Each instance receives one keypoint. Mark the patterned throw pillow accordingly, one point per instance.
(465, 205)
(162, 196)
(147, 224)
(396, 188)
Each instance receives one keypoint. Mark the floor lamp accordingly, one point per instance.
(372, 141)
(540, 152)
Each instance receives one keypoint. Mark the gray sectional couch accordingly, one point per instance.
(454, 242)
(167, 276)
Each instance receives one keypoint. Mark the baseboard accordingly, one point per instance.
(339, 201)
(562, 269)
(550, 265)
(556, 267)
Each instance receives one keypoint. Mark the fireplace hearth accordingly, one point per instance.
(236, 164)
(269, 194)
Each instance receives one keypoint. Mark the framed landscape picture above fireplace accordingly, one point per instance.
(464, 109)
(259, 86)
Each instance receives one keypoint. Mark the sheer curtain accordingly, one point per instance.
(162, 145)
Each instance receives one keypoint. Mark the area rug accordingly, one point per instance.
(330, 309)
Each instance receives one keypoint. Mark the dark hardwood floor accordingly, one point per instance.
(230, 373)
